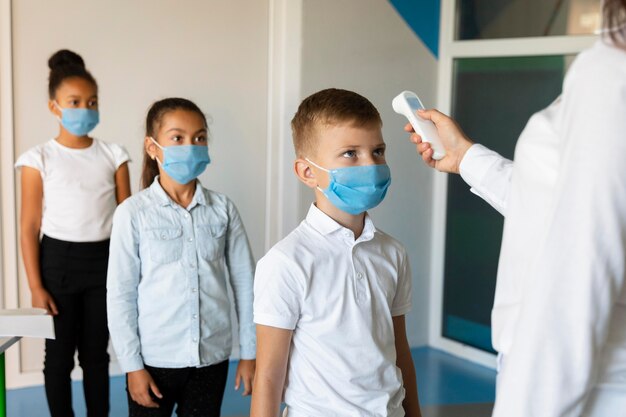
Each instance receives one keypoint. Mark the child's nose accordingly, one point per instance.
(368, 160)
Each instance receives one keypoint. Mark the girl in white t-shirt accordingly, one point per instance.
(71, 186)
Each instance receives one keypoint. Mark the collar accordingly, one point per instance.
(199, 198)
(325, 225)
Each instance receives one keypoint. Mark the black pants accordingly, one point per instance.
(75, 276)
(197, 392)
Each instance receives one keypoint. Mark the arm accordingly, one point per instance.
(488, 173)
(123, 276)
(122, 183)
(241, 271)
(271, 370)
(404, 361)
(564, 321)
(30, 225)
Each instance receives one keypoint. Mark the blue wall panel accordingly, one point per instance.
(422, 16)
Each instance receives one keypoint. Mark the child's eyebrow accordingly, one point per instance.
(378, 145)
(177, 129)
(203, 130)
(78, 96)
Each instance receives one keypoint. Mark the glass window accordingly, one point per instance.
(490, 19)
(492, 99)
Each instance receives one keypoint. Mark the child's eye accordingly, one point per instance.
(379, 152)
(177, 138)
(74, 103)
(200, 139)
(92, 103)
(349, 154)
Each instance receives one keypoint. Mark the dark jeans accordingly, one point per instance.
(197, 392)
(75, 276)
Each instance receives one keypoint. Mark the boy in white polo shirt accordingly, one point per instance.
(330, 298)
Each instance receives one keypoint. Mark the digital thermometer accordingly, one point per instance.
(407, 103)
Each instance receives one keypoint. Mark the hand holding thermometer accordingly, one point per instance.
(407, 103)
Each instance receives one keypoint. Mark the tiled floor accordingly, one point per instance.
(458, 410)
(445, 383)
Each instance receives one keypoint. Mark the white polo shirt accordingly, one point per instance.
(338, 295)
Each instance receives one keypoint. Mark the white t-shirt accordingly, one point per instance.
(559, 314)
(338, 295)
(78, 188)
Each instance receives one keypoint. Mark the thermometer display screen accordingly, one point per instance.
(414, 103)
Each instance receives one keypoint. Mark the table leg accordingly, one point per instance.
(3, 392)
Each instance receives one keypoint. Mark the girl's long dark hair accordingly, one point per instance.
(153, 120)
(614, 20)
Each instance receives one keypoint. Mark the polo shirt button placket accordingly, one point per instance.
(360, 287)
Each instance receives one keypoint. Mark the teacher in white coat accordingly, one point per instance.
(559, 314)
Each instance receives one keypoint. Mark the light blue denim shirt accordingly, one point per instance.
(167, 297)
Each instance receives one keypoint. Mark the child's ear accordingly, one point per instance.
(305, 173)
(53, 108)
(150, 147)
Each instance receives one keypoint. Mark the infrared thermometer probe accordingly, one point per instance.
(407, 103)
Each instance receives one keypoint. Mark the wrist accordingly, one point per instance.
(467, 144)
(37, 288)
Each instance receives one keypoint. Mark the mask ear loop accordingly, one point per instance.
(319, 167)
(59, 108)
(158, 146)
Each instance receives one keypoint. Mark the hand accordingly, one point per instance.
(140, 383)
(245, 372)
(41, 298)
(455, 142)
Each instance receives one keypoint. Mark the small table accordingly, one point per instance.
(5, 343)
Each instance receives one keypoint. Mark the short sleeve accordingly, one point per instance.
(33, 158)
(402, 302)
(120, 154)
(278, 291)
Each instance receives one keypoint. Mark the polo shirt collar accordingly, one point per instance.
(324, 224)
(199, 198)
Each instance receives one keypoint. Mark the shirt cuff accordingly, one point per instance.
(288, 323)
(247, 352)
(475, 164)
(400, 311)
(131, 363)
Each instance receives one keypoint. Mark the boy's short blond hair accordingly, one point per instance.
(328, 107)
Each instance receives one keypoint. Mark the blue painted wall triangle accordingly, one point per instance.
(422, 16)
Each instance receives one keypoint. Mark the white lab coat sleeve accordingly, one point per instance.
(579, 273)
(489, 175)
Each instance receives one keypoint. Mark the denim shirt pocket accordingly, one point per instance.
(211, 241)
(165, 244)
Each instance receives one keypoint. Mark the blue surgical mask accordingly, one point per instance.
(356, 189)
(184, 163)
(78, 122)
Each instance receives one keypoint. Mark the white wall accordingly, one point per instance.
(212, 52)
(365, 46)
(247, 63)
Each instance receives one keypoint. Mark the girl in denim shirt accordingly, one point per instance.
(174, 247)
